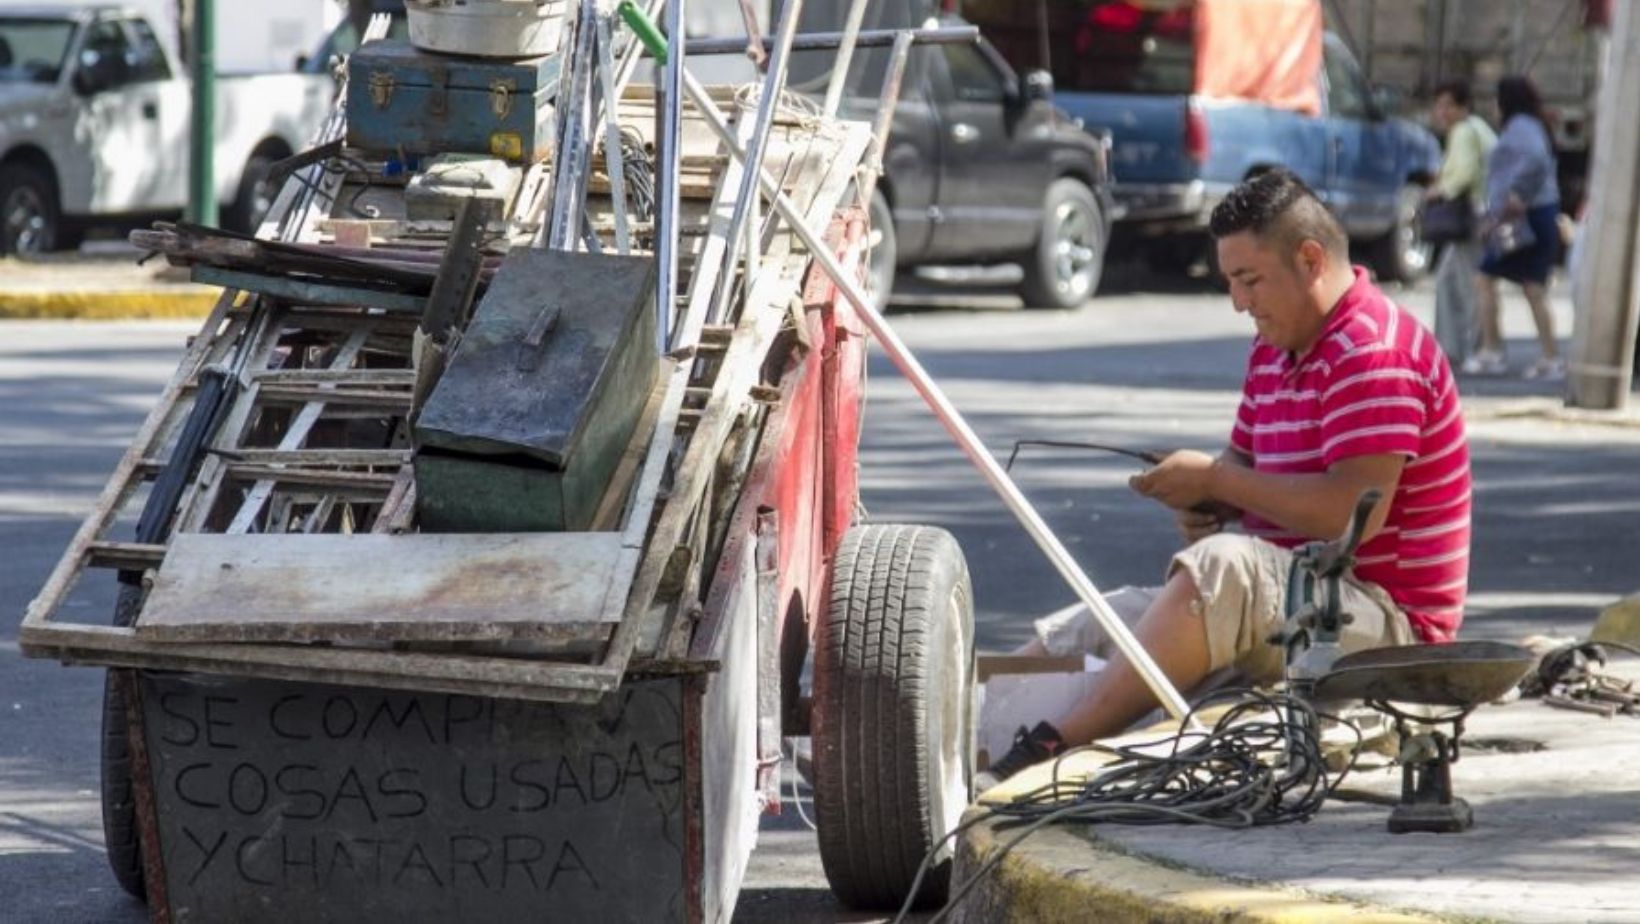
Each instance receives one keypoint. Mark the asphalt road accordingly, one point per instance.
(1154, 369)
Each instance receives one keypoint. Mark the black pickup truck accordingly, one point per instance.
(981, 167)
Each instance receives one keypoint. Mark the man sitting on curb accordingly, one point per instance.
(1344, 391)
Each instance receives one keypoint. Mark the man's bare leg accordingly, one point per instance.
(1176, 638)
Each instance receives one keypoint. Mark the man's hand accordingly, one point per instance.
(1197, 523)
(1180, 481)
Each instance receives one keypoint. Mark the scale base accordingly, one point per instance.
(1431, 817)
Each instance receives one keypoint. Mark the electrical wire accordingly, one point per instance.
(1149, 457)
(1260, 764)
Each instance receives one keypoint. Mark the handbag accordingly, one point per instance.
(1446, 221)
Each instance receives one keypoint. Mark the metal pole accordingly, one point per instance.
(822, 41)
(845, 56)
(954, 423)
(773, 85)
(202, 131)
(1608, 266)
(613, 162)
(669, 163)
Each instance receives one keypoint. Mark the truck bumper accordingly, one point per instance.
(1162, 208)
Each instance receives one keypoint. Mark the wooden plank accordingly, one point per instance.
(422, 587)
(403, 378)
(124, 556)
(380, 483)
(299, 292)
(505, 678)
(349, 458)
(330, 395)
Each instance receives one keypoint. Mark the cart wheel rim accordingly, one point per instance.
(1074, 250)
(25, 221)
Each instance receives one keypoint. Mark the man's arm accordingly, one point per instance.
(1316, 505)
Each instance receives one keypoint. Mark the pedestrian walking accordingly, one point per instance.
(1457, 199)
(1520, 234)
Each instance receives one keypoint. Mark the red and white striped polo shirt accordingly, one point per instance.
(1375, 383)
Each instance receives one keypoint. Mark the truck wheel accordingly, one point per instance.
(885, 250)
(119, 807)
(1403, 255)
(893, 723)
(29, 215)
(1063, 270)
(255, 196)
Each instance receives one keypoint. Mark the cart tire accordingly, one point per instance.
(893, 721)
(119, 805)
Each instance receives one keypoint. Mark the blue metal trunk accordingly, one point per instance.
(400, 98)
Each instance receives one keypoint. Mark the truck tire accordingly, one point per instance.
(254, 198)
(30, 219)
(1063, 269)
(893, 722)
(1402, 254)
(885, 251)
(119, 808)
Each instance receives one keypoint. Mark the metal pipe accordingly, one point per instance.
(668, 164)
(570, 158)
(202, 207)
(887, 103)
(954, 423)
(845, 57)
(614, 164)
(773, 85)
(820, 41)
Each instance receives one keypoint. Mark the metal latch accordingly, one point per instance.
(501, 96)
(381, 88)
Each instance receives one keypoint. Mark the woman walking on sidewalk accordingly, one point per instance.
(1462, 185)
(1521, 237)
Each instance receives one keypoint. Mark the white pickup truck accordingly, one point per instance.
(94, 120)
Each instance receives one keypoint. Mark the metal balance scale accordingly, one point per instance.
(1457, 677)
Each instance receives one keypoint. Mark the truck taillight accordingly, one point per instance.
(1195, 133)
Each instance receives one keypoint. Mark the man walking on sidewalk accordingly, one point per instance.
(1344, 391)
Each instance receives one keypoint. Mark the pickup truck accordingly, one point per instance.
(981, 167)
(1136, 70)
(94, 115)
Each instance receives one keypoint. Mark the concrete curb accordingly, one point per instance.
(1063, 873)
(108, 305)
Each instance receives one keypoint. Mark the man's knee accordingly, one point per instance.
(1240, 584)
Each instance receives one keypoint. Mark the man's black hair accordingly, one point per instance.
(1458, 91)
(1277, 204)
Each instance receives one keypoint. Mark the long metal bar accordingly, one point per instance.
(845, 57)
(668, 165)
(954, 423)
(820, 41)
(570, 158)
(886, 105)
(614, 164)
(773, 85)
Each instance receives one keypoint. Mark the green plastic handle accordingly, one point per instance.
(643, 29)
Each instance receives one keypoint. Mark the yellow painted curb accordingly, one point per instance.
(114, 305)
(1062, 874)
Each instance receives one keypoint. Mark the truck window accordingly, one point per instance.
(1095, 46)
(1346, 92)
(108, 53)
(973, 78)
(148, 62)
(33, 50)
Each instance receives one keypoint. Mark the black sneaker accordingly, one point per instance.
(1030, 747)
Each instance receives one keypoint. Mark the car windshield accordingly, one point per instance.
(1102, 46)
(33, 50)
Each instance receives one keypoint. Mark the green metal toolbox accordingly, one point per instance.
(526, 427)
(403, 99)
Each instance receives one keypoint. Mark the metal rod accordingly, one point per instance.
(773, 85)
(954, 423)
(613, 162)
(668, 164)
(845, 57)
(820, 41)
(887, 103)
(570, 158)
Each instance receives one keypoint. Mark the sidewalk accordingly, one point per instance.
(101, 283)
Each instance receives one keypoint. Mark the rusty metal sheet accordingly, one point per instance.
(272, 588)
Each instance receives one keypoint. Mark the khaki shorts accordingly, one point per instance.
(1242, 595)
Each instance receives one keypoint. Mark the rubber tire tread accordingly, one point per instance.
(119, 807)
(891, 586)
